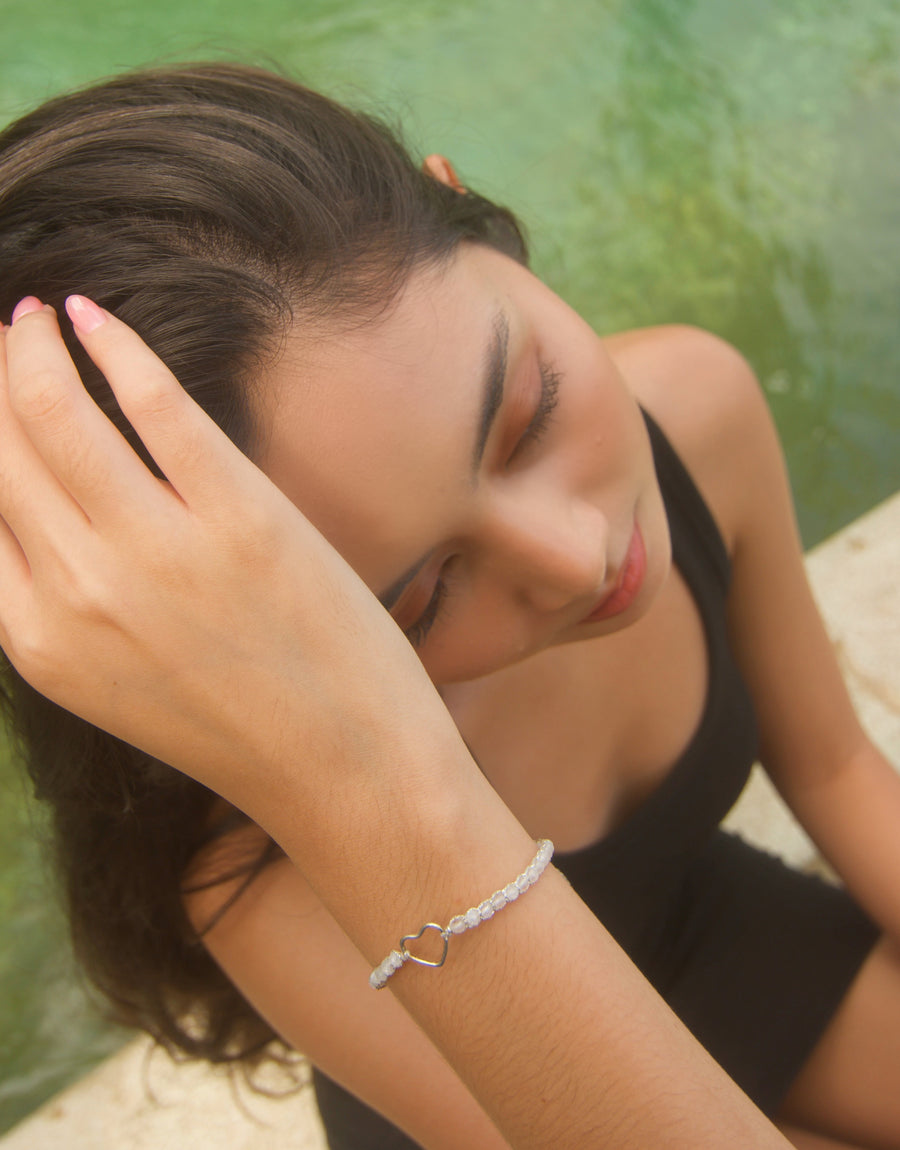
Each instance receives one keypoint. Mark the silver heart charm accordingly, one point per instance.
(404, 949)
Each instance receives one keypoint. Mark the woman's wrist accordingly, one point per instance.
(421, 833)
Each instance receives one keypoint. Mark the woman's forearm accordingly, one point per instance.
(853, 815)
(546, 1020)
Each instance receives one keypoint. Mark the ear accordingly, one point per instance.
(440, 169)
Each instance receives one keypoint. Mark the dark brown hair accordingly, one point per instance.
(209, 207)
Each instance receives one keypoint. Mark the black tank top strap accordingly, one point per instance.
(696, 538)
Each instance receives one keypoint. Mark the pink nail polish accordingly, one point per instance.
(85, 314)
(24, 307)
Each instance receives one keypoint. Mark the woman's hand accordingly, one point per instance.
(203, 619)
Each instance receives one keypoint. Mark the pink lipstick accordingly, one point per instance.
(629, 583)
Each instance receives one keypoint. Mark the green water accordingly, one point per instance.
(50, 1030)
(718, 162)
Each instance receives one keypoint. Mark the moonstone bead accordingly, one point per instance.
(474, 915)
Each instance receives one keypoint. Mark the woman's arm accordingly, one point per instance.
(205, 620)
(839, 785)
(292, 961)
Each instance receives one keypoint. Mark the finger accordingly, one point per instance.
(15, 573)
(32, 501)
(15, 579)
(72, 442)
(193, 453)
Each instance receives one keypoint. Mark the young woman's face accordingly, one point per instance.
(479, 461)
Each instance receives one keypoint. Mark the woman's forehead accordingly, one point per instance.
(371, 432)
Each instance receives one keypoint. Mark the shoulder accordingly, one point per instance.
(706, 398)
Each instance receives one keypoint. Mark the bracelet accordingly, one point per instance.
(463, 922)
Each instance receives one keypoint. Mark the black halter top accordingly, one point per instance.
(631, 877)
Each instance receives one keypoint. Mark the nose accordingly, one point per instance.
(552, 553)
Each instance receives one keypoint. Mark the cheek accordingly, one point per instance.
(476, 645)
(599, 413)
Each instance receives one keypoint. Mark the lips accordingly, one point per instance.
(628, 584)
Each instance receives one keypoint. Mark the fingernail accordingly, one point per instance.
(24, 307)
(85, 314)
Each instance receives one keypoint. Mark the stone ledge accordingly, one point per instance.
(141, 1100)
(855, 577)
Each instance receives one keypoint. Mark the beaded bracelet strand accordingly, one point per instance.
(473, 917)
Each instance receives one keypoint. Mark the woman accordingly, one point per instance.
(587, 545)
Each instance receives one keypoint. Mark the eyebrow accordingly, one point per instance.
(491, 401)
(495, 381)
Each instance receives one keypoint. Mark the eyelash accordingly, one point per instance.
(419, 630)
(543, 415)
(540, 421)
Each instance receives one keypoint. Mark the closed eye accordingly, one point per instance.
(543, 413)
(418, 632)
(537, 426)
